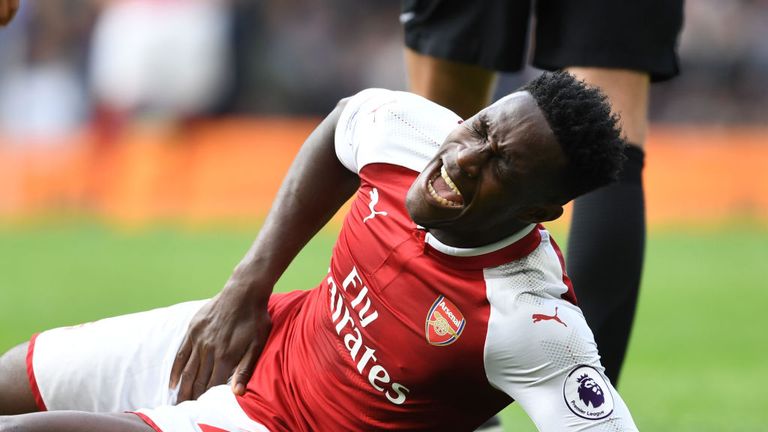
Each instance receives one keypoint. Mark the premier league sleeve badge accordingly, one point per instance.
(587, 393)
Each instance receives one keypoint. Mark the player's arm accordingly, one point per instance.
(8, 9)
(228, 334)
(552, 368)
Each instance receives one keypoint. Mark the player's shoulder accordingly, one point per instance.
(537, 272)
(404, 103)
(389, 126)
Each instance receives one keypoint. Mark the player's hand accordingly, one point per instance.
(8, 9)
(224, 339)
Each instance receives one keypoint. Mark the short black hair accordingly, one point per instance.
(587, 130)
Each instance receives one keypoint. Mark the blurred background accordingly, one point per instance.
(141, 143)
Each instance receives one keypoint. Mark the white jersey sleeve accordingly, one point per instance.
(384, 126)
(540, 351)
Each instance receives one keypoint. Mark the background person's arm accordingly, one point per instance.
(228, 334)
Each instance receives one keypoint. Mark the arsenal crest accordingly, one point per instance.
(445, 322)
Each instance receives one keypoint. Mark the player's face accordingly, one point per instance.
(491, 176)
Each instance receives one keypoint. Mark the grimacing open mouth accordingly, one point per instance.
(443, 189)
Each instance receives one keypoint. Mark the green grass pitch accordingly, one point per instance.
(698, 359)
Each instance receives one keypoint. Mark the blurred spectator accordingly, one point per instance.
(160, 59)
(41, 79)
(303, 55)
(724, 59)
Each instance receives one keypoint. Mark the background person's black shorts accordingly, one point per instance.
(626, 34)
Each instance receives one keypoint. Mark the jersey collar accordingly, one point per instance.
(495, 254)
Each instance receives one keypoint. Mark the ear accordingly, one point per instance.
(541, 213)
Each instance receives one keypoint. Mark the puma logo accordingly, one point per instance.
(374, 194)
(542, 317)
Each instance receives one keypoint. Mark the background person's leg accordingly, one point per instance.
(15, 394)
(628, 93)
(461, 87)
(73, 421)
(607, 237)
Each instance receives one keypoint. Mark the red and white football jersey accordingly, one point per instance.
(408, 333)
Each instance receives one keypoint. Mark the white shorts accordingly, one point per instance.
(124, 364)
(216, 410)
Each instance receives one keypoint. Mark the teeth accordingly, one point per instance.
(444, 175)
(440, 199)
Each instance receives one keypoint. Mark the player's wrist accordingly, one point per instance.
(250, 287)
